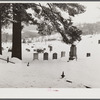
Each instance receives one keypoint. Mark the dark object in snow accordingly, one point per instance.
(62, 76)
(63, 54)
(40, 50)
(50, 48)
(32, 46)
(68, 81)
(88, 54)
(72, 53)
(35, 50)
(45, 56)
(87, 86)
(7, 59)
(35, 56)
(54, 55)
(98, 41)
(27, 49)
(44, 49)
(28, 64)
(71, 58)
(2, 48)
(9, 50)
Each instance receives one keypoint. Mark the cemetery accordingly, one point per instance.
(52, 63)
(51, 50)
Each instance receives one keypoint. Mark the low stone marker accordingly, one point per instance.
(62, 54)
(35, 56)
(98, 41)
(50, 48)
(54, 55)
(88, 54)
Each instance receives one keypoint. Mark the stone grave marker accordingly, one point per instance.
(98, 41)
(54, 55)
(62, 54)
(50, 48)
(45, 56)
(88, 54)
(35, 56)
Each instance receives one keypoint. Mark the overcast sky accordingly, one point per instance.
(91, 15)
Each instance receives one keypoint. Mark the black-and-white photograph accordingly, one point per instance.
(50, 45)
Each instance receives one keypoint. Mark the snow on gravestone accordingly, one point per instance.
(45, 56)
(35, 56)
(54, 55)
(62, 54)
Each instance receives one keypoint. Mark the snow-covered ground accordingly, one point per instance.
(41, 73)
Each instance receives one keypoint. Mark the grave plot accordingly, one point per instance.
(54, 55)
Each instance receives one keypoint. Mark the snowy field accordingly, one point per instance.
(41, 73)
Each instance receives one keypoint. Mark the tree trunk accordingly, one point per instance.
(16, 41)
(0, 36)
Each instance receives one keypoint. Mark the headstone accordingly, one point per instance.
(62, 76)
(72, 53)
(62, 54)
(7, 59)
(98, 41)
(50, 48)
(35, 56)
(28, 64)
(54, 55)
(88, 54)
(45, 56)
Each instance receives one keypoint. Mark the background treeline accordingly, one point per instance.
(89, 28)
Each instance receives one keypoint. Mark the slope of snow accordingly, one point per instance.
(47, 74)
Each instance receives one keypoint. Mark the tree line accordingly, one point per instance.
(90, 28)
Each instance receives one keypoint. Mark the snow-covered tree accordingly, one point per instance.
(53, 19)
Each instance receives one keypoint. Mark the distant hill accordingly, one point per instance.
(90, 28)
(26, 34)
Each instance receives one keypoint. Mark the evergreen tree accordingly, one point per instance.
(63, 25)
(4, 19)
(19, 15)
(49, 13)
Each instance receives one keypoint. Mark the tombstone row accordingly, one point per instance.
(46, 55)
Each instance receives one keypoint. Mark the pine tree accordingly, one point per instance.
(63, 25)
(49, 13)
(4, 19)
(19, 15)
